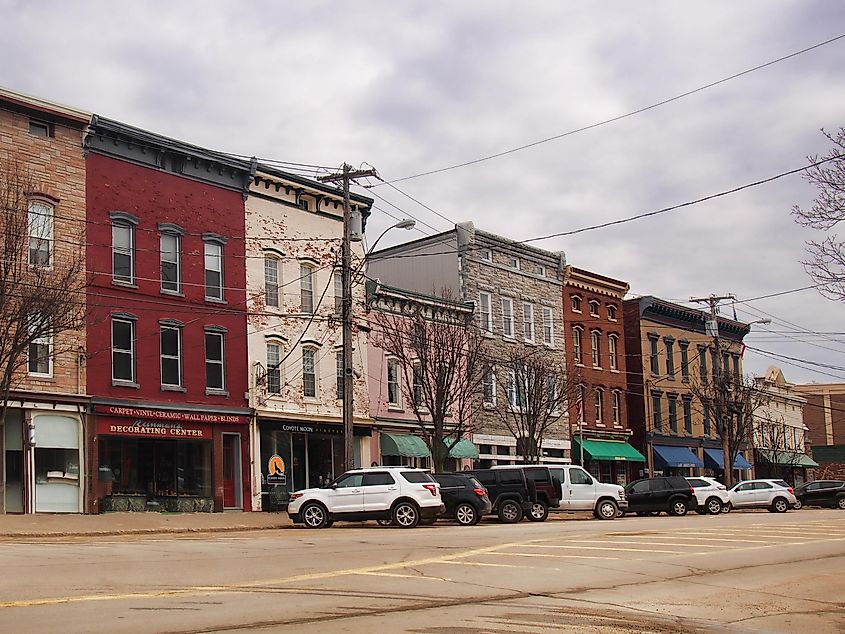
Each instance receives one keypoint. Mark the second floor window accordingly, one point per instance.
(528, 321)
(599, 398)
(213, 270)
(548, 326)
(274, 370)
(309, 372)
(215, 375)
(484, 313)
(170, 269)
(393, 390)
(656, 411)
(171, 356)
(612, 350)
(418, 385)
(507, 317)
(576, 345)
(271, 282)
(595, 337)
(673, 413)
(687, 415)
(516, 391)
(40, 220)
(306, 287)
(617, 406)
(123, 252)
(488, 385)
(123, 350)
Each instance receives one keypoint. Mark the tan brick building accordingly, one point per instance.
(43, 450)
(824, 416)
(517, 290)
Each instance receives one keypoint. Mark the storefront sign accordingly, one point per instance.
(153, 429)
(171, 415)
(276, 470)
(304, 428)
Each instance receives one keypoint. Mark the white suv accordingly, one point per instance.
(400, 494)
(775, 495)
(711, 496)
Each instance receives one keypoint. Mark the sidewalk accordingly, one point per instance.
(57, 525)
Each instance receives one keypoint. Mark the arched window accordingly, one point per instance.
(576, 344)
(309, 372)
(599, 402)
(611, 312)
(40, 220)
(274, 367)
(612, 350)
(306, 286)
(595, 335)
(594, 308)
(576, 303)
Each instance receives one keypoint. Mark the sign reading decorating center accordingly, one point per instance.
(276, 470)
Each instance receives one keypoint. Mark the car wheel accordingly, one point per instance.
(314, 515)
(840, 503)
(714, 506)
(798, 504)
(384, 522)
(538, 512)
(466, 515)
(510, 512)
(679, 508)
(607, 510)
(406, 515)
(780, 505)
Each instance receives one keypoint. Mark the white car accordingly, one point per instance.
(711, 496)
(582, 492)
(402, 495)
(775, 495)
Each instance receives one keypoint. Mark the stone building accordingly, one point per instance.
(42, 451)
(780, 450)
(668, 349)
(294, 229)
(595, 344)
(824, 416)
(517, 290)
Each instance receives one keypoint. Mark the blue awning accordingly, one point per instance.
(666, 456)
(715, 459)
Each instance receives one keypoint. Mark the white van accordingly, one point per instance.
(582, 492)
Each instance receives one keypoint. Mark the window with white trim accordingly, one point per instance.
(611, 312)
(40, 352)
(488, 384)
(575, 302)
(551, 393)
(594, 308)
(123, 252)
(417, 385)
(40, 220)
(581, 404)
(338, 292)
(528, 321)
(394, 392)
(487, 255)
(516, 391)
(613, 351)
(213, 270)
(514, 263)
(170, 264)
(215, 367)
(274, 370)
(616, 406)
(123, 349)
(598, 395)
(576, 344)
(340, 374)
(306, 287)
(595, 337)
(271, 281)
(309, 372)
(548, 326)
(507, 317)
(170, 337)
(485, 314)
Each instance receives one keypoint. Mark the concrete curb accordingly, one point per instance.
(142, 531)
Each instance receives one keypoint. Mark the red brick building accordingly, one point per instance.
(595, 344)
(167, 355)
(824, 417)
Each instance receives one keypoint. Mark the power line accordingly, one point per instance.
(618, 117)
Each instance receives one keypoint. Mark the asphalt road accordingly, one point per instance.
(740, 572)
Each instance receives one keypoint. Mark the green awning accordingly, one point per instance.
(787, 458)
(608, 450)
(403, 445)
(462, 449)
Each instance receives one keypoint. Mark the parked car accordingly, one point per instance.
(821, 493)
(775, 495)
(670, 494)
(582, 492)
(520, 491)
(465, 497)
(711, 496)
(400, 494)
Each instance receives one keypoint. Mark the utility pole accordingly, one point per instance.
(350, 233)
(711, 328)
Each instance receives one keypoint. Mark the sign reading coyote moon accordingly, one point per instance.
(276, 470)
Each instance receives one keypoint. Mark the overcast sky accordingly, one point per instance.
(414, 86)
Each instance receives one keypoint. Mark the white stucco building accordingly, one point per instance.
(294, 230)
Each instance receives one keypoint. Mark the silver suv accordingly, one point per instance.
(775, 495)
(402, 495)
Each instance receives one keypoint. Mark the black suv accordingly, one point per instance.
(464, 496)
(650, 496)
(520, 491)
(821, 493)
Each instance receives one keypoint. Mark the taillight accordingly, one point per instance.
(295, 496)
(432, 488)
(790, 490)
(692, 492)
(480, 492)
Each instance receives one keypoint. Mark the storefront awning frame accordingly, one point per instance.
(787, 458)
(405, 445)
(607, 450)
(679, 456)
(463, 448)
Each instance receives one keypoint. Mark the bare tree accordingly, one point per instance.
(782, 445)
(732, 402)
(441, 357)
(42, 283)
(826, 263)
(537, 390)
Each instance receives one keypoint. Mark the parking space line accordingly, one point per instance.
(705, 537)
(631, 543)
(479, 563)
(551, 556)
(635, 550)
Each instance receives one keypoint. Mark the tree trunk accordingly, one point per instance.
(729, 462)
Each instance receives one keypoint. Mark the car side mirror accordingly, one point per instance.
(334, 485)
